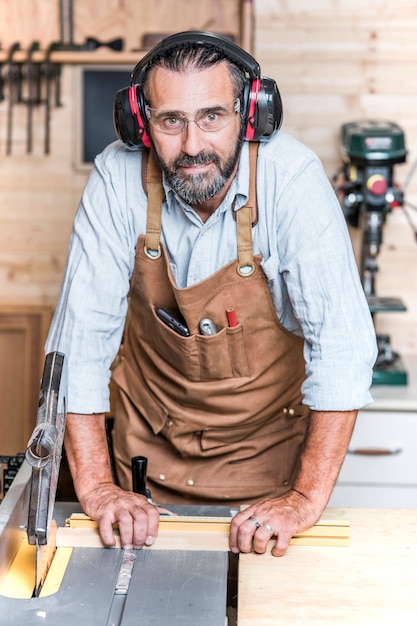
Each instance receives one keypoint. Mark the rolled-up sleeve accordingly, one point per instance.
(313, 275)
(89, 319)
(327, 297)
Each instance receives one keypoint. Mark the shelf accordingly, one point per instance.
(82, 57)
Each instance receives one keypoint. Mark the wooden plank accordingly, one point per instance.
(56, 572)
(372, 582)
(193, 532)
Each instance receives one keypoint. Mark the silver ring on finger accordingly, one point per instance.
(271, 530)
(254, 521)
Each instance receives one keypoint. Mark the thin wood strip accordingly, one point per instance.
(82, 531)
(56, 571)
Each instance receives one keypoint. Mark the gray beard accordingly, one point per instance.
(196, 189)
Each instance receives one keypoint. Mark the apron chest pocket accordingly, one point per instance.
(198, 357)
(223, 355)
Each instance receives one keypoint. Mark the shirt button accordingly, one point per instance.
(291, 411)
(169, 422)
(162, 476)
(190, 482)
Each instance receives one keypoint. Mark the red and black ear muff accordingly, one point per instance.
(136, 112)
(128, 121)
(251, 109)
(264, 109)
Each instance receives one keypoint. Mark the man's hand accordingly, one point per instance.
(138, 520)
(322, 456)
(281, 517)
(100, 498)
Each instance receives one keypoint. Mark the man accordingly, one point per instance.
(261, 411)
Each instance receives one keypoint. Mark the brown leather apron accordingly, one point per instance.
(219, 417)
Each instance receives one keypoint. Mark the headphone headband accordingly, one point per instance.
(231, 51)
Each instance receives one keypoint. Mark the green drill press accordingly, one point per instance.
(371, 150)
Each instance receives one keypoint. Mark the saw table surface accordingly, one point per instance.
(172, 587)
(182, 585)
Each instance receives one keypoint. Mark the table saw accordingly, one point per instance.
(97, 585)
(355, 566)
(50, 580)
(183, 578)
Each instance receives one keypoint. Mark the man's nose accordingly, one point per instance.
(193, 140)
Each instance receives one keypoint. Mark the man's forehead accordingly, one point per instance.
(202, 87)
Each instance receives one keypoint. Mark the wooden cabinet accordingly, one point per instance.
(23, 331)
(380, 469)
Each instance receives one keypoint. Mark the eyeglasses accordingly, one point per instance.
(210, 120)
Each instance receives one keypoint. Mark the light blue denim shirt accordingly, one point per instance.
(307, 257)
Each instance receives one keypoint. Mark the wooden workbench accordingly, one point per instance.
(372, 583)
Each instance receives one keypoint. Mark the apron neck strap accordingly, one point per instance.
(152, 177)
(246, 216)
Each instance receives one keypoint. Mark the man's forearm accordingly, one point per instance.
(322, 456)
(89, 461)
(325, 448)
(87, 451)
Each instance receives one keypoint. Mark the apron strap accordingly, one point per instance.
(151, 173)
(246, 218)
(253, 159)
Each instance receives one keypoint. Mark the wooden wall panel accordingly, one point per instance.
(29, 20)
(38, 198)
(39, 193)
(338, 61)
(22, 335)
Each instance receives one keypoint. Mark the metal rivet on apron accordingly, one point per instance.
(153, 254)
(245, 270)
(162, 476)
(190, 482)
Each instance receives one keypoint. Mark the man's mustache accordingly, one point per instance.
(202, 158)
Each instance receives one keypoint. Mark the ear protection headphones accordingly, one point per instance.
(261, 102)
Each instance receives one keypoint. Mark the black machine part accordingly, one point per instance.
(373, 142)
(368, 193)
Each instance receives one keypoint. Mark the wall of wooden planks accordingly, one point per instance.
(334, 61)
(337, 61)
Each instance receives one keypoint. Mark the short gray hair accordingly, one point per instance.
(194, 55)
